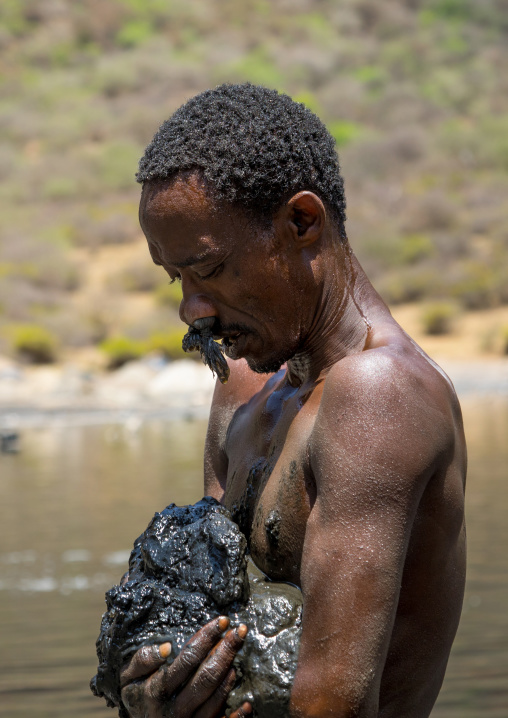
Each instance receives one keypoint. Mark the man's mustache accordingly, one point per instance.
(200, 337)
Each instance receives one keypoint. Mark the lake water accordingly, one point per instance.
(75, 497)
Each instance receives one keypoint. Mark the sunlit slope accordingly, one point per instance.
(415, 94)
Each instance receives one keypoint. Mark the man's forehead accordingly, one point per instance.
(180, 196)
(186, 207)
(180, 212)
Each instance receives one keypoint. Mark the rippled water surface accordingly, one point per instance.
(74, 499)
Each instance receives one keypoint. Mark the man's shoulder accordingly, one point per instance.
(388, 374)
(394, 398)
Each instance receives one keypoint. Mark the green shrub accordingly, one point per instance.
(116, 75)
(397, 251)
(59, 188)
(256, 67)
(344, 132)
(415, 247)
(13, 17)
(309, 100)
(39, 258)
(95, 226)
(373, 77)
(134, 33)
(477, 286)
(409, 285)
(118, 165)
(169, 294)
(120, 349)
(61, 53)
(437, 10)
(33, 343)
(381, 250)
(494, 339)
(504, 340)
(316, 28)
(169, 344)
(437, 318)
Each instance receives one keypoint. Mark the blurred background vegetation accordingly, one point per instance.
(415, 93)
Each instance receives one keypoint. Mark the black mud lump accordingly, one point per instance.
(189, 566)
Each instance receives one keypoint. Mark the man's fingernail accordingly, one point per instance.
(241, 631)
(164, 650)
(223, 623)
(247, 708)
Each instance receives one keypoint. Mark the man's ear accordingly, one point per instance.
(305, 217)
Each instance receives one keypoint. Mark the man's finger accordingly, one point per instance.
(146, 660)
(214, 706)
(212, 671)
(242, 712)
(165, 682)
(138, 704)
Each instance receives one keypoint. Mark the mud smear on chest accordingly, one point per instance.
(243, 510)
(189, 566)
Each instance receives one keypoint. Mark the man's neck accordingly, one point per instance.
(341, 325)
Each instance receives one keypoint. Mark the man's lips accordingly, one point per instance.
(229, 339)
(232, 344)
(232, 337)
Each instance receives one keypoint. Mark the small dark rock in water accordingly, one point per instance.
(9, 442)
(188, 567)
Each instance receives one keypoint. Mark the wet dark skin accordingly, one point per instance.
(345, 468)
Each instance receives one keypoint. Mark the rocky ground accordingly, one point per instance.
(72, 394)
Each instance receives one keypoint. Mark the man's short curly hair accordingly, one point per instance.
(254, 146)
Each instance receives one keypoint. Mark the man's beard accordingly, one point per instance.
(200, 338)
(270, 366)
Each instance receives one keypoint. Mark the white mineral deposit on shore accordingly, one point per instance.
(181, 388)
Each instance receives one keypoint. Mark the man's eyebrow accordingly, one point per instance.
(195, 259)
(185, 263)
(208, 255)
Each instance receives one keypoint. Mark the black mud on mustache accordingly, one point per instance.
(201, 340)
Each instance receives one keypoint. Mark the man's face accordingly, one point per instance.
(247, 278)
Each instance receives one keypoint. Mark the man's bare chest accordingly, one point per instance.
(270, 489)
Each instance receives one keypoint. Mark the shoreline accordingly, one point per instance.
(151, 389)
(70, 395)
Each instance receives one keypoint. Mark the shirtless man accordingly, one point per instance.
(337, 443)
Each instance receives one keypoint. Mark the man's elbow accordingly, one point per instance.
(318, 698)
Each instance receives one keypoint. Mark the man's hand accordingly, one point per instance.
(153, 689)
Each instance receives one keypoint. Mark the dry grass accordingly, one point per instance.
(475, 335)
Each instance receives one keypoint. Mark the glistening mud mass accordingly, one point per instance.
(189, 566)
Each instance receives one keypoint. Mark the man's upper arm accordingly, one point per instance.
(373, 448)
(215, 462)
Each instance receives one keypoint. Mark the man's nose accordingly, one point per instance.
(197, 306)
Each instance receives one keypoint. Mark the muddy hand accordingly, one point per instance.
(153, 689)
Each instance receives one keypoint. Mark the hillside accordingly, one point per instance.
(415, 93)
